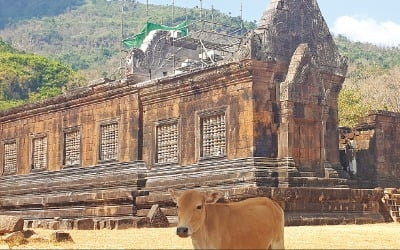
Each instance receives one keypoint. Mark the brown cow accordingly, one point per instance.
(255, 223)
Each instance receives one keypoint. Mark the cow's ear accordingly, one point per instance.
(213, 197)
(173, 194)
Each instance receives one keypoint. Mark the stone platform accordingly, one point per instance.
(120, 195)
(256, 171)
(302, 205)
(101, 191)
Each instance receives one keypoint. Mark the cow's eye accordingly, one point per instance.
(199, 206)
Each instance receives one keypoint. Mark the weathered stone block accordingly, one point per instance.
(54, 225)
(124, 223)
(110, 224)
(84, 224)
(66, 224)
(96, 225)
(28, 233)
(9, 224)
(37, 224)
(142, 212)
(140, 222)
(101, 224)
(60, 236)
(157, 218)
(27, 224)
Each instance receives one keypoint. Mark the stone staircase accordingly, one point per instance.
(311, 179)
(119, 194)
(392, 201)
(253, 171)
(105, 190)
(308, 174)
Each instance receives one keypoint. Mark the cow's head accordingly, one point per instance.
(191, 210)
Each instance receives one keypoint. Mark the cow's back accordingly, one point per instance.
(253, 223)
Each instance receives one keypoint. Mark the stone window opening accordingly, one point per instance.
(10, 157)
(109, 142)
(39, 152)
(213, 134)
(72, 147)
(167, 141)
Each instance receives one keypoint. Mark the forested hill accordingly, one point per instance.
(27, 77)
(86, 35)
(373, 81)
(13, 11)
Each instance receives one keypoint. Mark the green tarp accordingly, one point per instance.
(136, 41)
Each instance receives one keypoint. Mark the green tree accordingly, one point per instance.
(27, 77)
(351, 107)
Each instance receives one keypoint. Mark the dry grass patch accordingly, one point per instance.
(377, 236)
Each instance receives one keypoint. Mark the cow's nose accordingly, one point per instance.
(182, 231)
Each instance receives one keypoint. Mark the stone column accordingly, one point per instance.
(286, 130)
(324, 163)
(286, 142)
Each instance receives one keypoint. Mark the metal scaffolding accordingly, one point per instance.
(214, 42)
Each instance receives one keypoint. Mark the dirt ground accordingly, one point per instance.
(376, 236)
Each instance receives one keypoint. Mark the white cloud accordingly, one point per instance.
(368, 30)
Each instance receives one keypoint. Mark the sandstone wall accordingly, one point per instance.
(102, 191)
(83, 112)
(266, 110)
(243, 93)
(378, 141)
(375, 143)
(246, 107)
(302, 206)
(276, 98)
(308, 105)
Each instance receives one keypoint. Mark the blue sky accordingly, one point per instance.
(371, 21)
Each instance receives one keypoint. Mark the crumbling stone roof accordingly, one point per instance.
(286, 24)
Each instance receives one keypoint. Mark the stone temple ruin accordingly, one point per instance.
(250, 116)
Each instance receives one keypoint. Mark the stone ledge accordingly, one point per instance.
(77, 97)
(108, 195)
(302, 205)
(70, 211)
(67, 180)
(110, 223)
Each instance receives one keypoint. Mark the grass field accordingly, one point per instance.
(376, 236)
